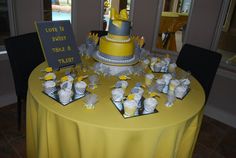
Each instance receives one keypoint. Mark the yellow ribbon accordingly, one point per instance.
(65, 78)
(118, 18)
(130, 97)
(124, 77)
(154, 94)
(48, 77)
(48, 69)
(80, 78)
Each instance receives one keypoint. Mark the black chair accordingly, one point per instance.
(202, 63)
(25, 53)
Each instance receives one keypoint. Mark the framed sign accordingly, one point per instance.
(58, 43)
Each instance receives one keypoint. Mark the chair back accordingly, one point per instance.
(202, 63)
(99, 32)
(25, 53)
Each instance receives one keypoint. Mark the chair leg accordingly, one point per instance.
(19, 108)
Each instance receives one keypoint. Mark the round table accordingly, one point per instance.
(73, 131)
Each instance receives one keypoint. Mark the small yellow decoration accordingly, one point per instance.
(48, 77)
(167, 56)
(118, 18)
(65, 78)
(80, 78)
(141, 42)
(124, 77)
(154, 94)
(107, 4)
(48, 69)
(130, 97)
(123, 15)
(93, 37)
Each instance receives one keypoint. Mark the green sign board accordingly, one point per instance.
(58, 43)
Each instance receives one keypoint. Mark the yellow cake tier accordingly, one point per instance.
(117, 37)
(118, 49)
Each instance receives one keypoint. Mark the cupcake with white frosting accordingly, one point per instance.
(49, 87)
(130, 107)
(65, 95)
(80, 87)
(149, 105)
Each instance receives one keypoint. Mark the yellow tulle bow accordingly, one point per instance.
(48, 69)
(124, 77)
(154, 94)
(48, 77)
(80, 78)
(118, 18)
(65, 78)
(130, 97)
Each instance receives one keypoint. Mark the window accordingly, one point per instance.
(227, 40)
(172, 25)
(57, 10)
(4, 21)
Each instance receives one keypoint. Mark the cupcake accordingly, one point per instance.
(122, 84)
(66, 85)
(148, 79)
(49, 87)
(117, 94)
(149, 105)
(65, 95)
(117, 97)
(173, 84)
(166, 78)
(180, 91)
(160, 84)
(138, 93)
(157, 67)
(130, 107)
(80, 87)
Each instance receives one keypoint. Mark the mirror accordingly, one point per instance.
(118, 5)
(172, 25)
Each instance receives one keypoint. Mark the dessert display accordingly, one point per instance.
(173, 87)
(117, 48)
(158, 64)
(65, 90)
(131, 105)
(119, 55)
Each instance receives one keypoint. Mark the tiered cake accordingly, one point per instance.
(117, 48)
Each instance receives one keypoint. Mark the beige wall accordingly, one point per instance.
(26, 13)
(202, 25)
(144, 20)
(89, 15)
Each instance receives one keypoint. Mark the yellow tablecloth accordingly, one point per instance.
(72, 131)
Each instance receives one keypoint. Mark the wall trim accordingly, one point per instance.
(220, 115)
(7, 99)
(3, 55)
(226, 73)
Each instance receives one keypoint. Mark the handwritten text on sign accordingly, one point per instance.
(58, 43)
